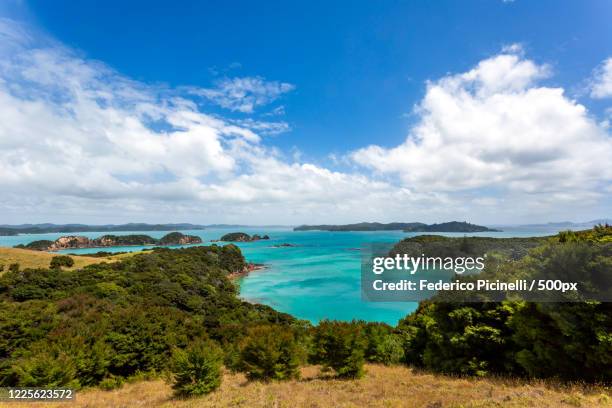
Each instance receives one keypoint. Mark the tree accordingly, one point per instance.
(61, 260)
(197, 370)
(341, 347)
(270, 353)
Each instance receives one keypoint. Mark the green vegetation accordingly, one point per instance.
(453, 226)
(241, 237)
(197, 370)
(572, 341)
(61, 260)
(172, 311)
(437, 245)
(124, 240)
(340, 346)
(119, 319)
(40, 245)
(270, 353)
(73, 242)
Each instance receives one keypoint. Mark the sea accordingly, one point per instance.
(316, 278)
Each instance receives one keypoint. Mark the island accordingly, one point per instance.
(453, 226)
(242, 237)
(8, 230)
(78, 242)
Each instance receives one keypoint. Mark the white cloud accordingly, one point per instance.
(514, 48)
(80, 142)
(244, 94)
(601, 86)
(494, 128)
(264, 127)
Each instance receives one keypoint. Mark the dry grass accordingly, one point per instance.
(381, 387)
(38, 259)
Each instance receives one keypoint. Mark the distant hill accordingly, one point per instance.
(69, 228)
(453, 226)
(563, 225)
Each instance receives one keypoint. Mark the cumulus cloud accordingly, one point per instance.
(81, 142)
(601, 85)
(494, 128)
(78, 139)
(244, 94)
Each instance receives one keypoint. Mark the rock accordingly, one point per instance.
(70, 242)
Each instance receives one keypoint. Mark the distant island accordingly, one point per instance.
(242, 237)
(78, 242)
(453, 226)
(7, 230)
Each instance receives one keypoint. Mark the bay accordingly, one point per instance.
(317, 278)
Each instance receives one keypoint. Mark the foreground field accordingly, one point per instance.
(38, 259)
(381, 387)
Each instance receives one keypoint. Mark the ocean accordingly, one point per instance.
(318, 278)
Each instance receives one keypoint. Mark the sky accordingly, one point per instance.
(492, 112)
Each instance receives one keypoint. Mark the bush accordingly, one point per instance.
(341, 347)
(14, 267)
(111, 383)
(45, 370)
(270, 353)
(391, 350)
(61, 260)
(197, 370)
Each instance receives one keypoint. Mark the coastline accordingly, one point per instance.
(250, 267)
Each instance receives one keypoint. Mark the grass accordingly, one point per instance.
(381, 387)
(38, 259)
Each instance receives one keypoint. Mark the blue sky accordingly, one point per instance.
(341, 87)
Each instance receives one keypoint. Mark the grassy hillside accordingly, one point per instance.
(381, 387)
(36, 259)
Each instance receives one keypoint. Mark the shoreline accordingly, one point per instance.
(250, 267)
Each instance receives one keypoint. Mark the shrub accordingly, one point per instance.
(390, 350)
(14, 267)
(45, 370)
(61, 260)
(341, 347)
(197, 370)
(111, 383)
(270, 353)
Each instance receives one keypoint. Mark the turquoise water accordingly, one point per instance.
(317, 279)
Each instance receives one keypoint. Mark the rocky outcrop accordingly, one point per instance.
(71, 242)
(242, 237)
